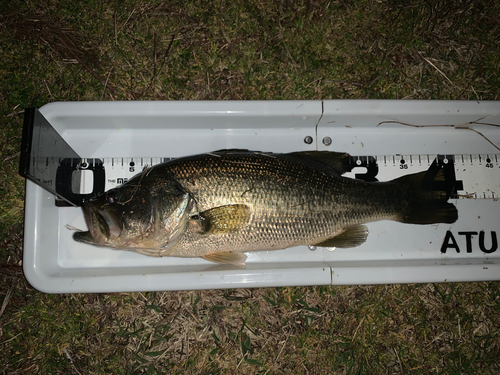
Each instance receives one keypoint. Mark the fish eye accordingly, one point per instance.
(111, 198)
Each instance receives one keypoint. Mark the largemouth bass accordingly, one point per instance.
(220, 205)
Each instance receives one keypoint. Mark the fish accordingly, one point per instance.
(222, 204)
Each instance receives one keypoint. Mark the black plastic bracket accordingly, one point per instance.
(47, 160)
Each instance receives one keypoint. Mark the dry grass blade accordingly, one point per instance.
(67, 42)
(157, 71)
(7, 297)
(439, 70)
(72, 52)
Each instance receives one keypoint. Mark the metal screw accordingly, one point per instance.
(327, 141)
(308, 139)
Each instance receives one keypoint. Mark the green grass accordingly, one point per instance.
(150, 50)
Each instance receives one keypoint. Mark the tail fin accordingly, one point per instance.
(427, 198)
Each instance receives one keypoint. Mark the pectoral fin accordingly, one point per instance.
(223, 219)
(236, 259)
(352, 236)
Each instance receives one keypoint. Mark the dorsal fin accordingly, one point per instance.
(340, 161)
(231, 151)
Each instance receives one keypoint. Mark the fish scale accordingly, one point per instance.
(272, 226)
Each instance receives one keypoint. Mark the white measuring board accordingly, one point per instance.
(128, 136)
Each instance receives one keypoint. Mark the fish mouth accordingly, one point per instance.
(103, 226)
(84, 237)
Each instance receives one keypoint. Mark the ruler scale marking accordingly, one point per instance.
(479, 180)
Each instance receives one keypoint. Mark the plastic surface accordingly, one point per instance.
(393, 253)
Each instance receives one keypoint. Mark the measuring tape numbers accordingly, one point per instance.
(473, 176)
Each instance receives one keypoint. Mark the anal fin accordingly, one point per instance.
(352, 236)
(236, 259)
